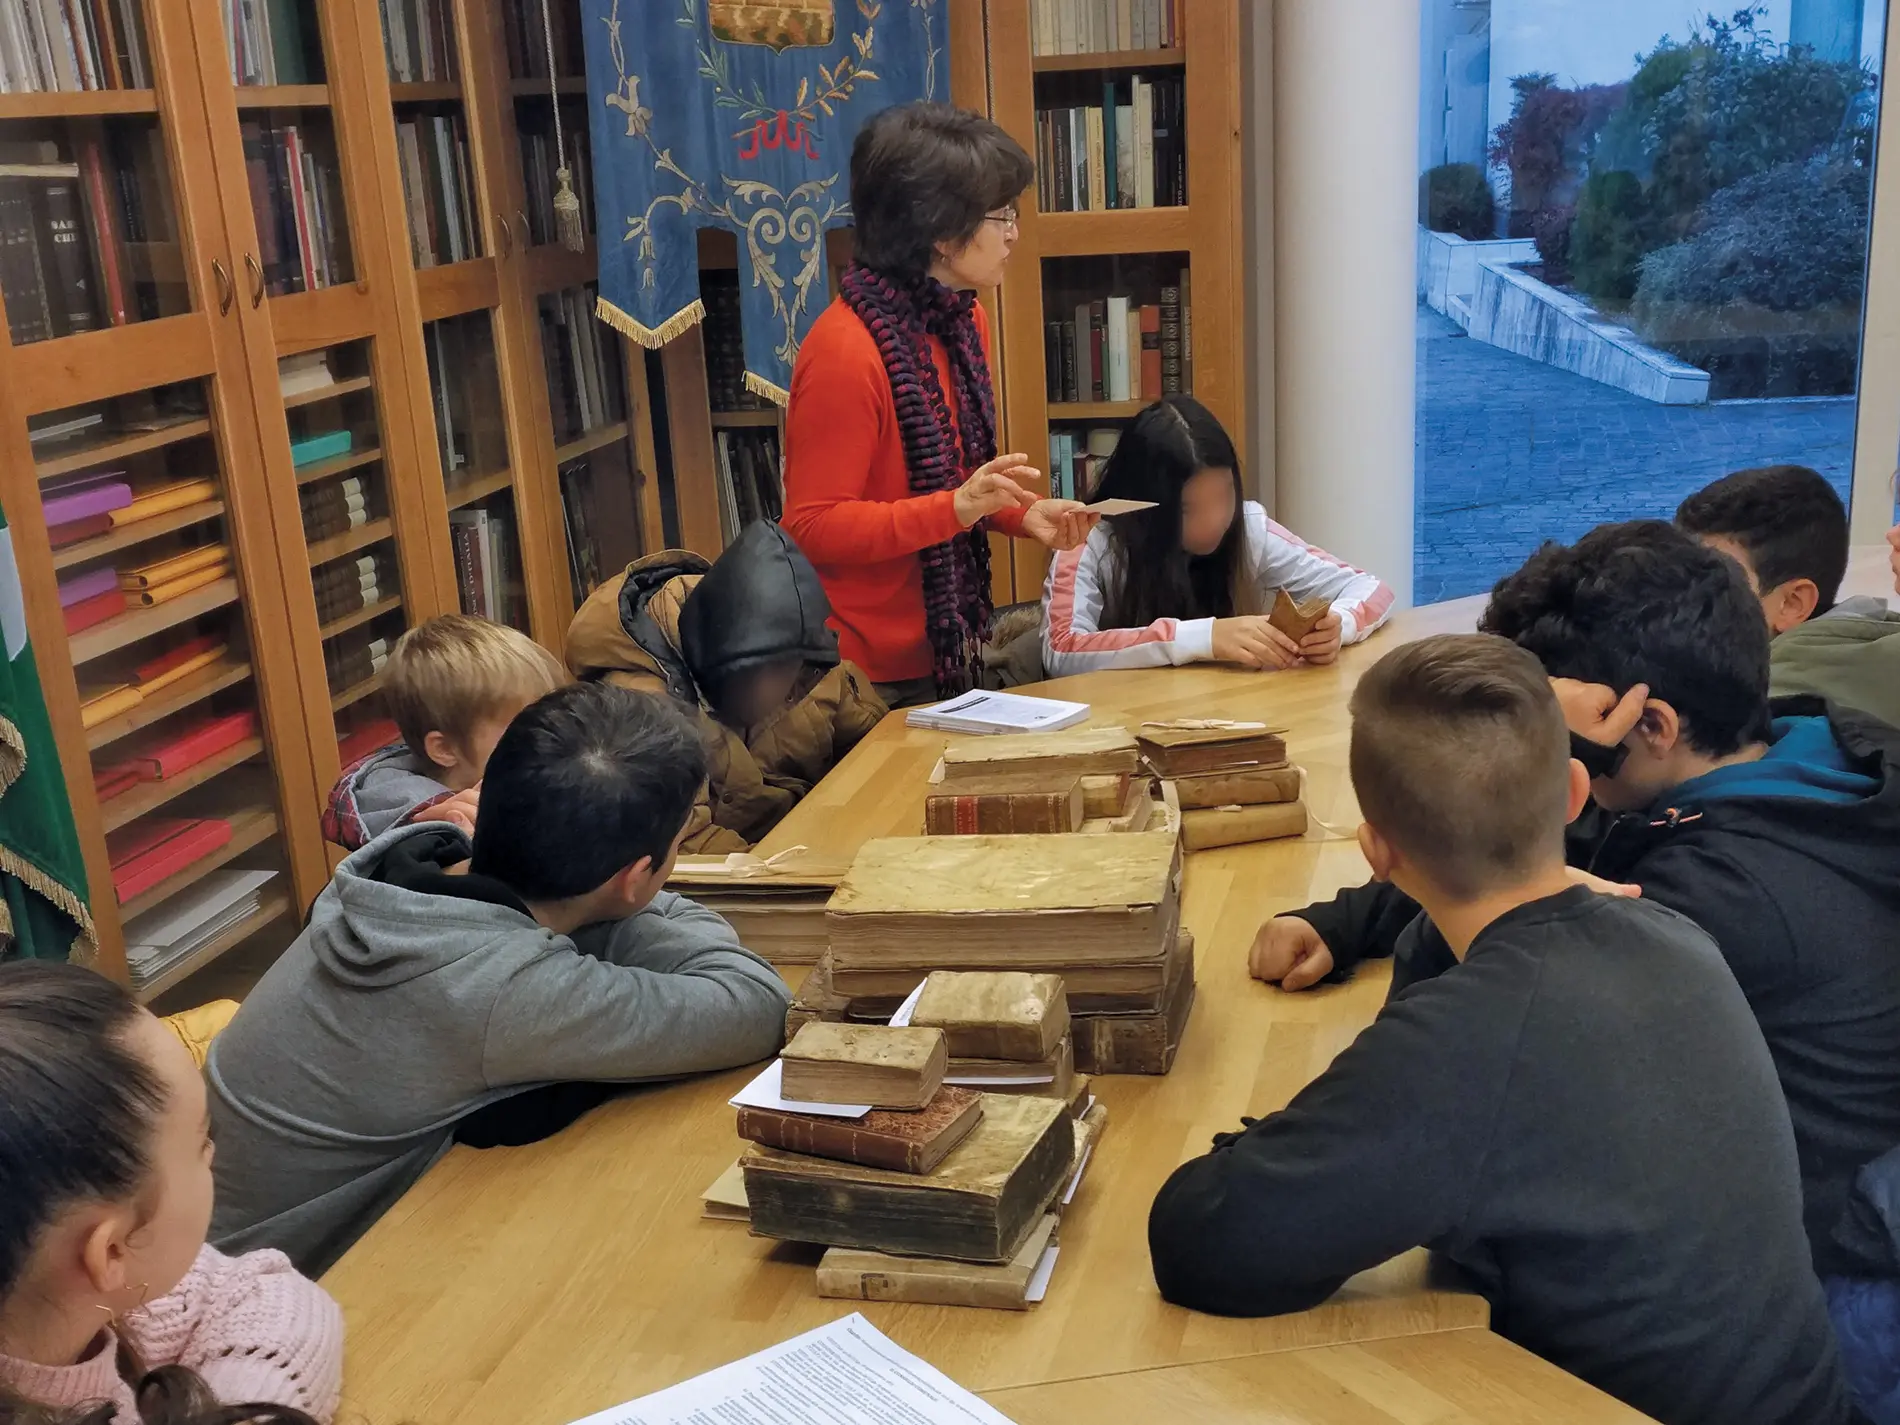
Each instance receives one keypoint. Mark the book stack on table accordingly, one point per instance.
(776, 905)
(921, 1190)
(1231, 779)
(1087, 779)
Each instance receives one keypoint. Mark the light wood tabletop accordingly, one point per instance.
(532, 1286)
(1468, 1377)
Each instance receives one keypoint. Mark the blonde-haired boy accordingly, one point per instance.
(452, 684)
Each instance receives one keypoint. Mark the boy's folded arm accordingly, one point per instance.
(663, 993)
(1376, 1156)
(1361, 922)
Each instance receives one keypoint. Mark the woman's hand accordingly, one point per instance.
(994, 486)
(1252, 642)
(1596, 713)
(1321, 644)
(1060, 524)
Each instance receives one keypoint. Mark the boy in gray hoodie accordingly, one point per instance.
(441, 984)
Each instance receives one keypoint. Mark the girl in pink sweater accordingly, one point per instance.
(105, 1196)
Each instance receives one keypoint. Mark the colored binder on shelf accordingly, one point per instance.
(163, 500)
(88, 527)
(178, 672)
(165, 593)
(86, 500)
(148, 673)
(199, 743)
(313, 448)
(109, 782)
(82, 616)
(353, 747)
(107, 703)
(164, 571)
(89, 585)
(164, 847)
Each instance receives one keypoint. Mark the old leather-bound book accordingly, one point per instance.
(1248, 786)
(1117, 987)
(1004, 902)
(983, 808)
(1189, 745)
(1035, 759)
(1139, 1043)
(858, 1275)
(1233, 825)
(864, 1063)
(1296, 620)
(1007, 1014)
(977, 1205)
(1053, 1077)
(913, 1142)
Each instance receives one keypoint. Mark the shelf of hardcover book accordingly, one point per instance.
(1110, 139)
(530, 41)
(88, 230)
(593, 438)
(1072, 34)
(274, 44)
(724, 340)
(48, 47)
(133, 500)
(350, 537)
(297, 202)
(432, 145)
(542, 156)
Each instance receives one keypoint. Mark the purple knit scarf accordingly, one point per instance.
(901, 317)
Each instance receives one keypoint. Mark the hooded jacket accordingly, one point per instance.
(1850, 655)
(1792, 864)
(674, 623)
(413, 999)
(382, 790)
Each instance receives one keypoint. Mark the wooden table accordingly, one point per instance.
(1468, 1377)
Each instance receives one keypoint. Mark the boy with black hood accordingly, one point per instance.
(1579, 1111)
(743, 642)
(1775, 828)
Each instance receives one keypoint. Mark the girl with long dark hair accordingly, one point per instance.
(893, 482)
(1193, 579)
(108, 1293)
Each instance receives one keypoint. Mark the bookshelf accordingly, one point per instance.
(1153, 222)
(285, 263)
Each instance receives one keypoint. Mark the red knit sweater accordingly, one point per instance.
(847, 494)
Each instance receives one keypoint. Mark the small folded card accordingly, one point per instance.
(1119, 507)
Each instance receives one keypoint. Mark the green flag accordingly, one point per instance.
(43, 910)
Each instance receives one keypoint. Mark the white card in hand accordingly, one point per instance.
(1119, 507)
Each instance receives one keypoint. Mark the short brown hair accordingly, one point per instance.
(1461, 760)
(449, 673)
(924, 173)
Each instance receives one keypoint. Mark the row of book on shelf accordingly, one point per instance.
(1129, 151)
(526, 32)
(750, 485)
(272, 42)
(72, 45)
(95, 503)
(488, 565)
(66, 217)
(1100, 26)
(297, 204)
(1116, 350)
(724, 340)
(419, 40)
(1076, 458)
(540, 160)
(436, 184)
(586, 386)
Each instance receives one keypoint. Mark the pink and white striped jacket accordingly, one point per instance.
(1074, 641)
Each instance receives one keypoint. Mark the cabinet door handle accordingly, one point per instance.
(522, 218)
(257, 280)
(507, 238)
(226, 292)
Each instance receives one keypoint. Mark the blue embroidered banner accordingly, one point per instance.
(716, 113)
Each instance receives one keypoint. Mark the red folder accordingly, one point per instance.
(165, 846)
(172, 657)
(73, 531)
(196, 744)
(109, 782)
(87, 612)
(355, 746)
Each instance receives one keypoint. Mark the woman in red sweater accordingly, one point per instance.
(892, 478)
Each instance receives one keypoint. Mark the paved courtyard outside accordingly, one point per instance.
(1512, 452)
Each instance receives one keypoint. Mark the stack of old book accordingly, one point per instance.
(923, 1191)
(1006, 1032)
(1079, 779)
(1232, 780)
(1101, 913)
(776, 904)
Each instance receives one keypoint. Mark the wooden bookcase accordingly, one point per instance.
(360, 399)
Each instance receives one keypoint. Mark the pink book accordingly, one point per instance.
(89, 585)
(77, 502)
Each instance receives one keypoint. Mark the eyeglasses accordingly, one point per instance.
(1007, 219)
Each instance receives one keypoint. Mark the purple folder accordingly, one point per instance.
(89, 585)
(66, 501)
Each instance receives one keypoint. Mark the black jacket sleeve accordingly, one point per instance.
(1378, 1155)
(1361, 922)
(1740, 914)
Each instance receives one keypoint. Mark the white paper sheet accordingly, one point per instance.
(1075, 1182)
(979, 1081)
(765, 1092)
(984, 711)
(190, 909)
(1119, 507)
(901, 1020)
(847, 1373)
(1038, 1286)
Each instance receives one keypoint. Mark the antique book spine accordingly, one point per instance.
(1204, 829)
(1138, 1043)
(1001, 813)
(1251, 787)
(868, 1142)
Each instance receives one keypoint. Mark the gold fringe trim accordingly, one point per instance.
(653, 338)
(759, 386)
(85, 946)
(12, 754)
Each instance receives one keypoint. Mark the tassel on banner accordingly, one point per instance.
(567, 212)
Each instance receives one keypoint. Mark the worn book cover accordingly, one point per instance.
(1296, 620)
(977, 1205)
(1246, 786)
(913, 1142)
(1139, 1043)
(1008, 1014)
(1004, 902)
(1209, 827)
(1116, 987)
(1104, 795)
(1034, 760)
(1053, 1077)
(979, 809)
(857, 1275)
(1189, 745)
(877, 1064)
